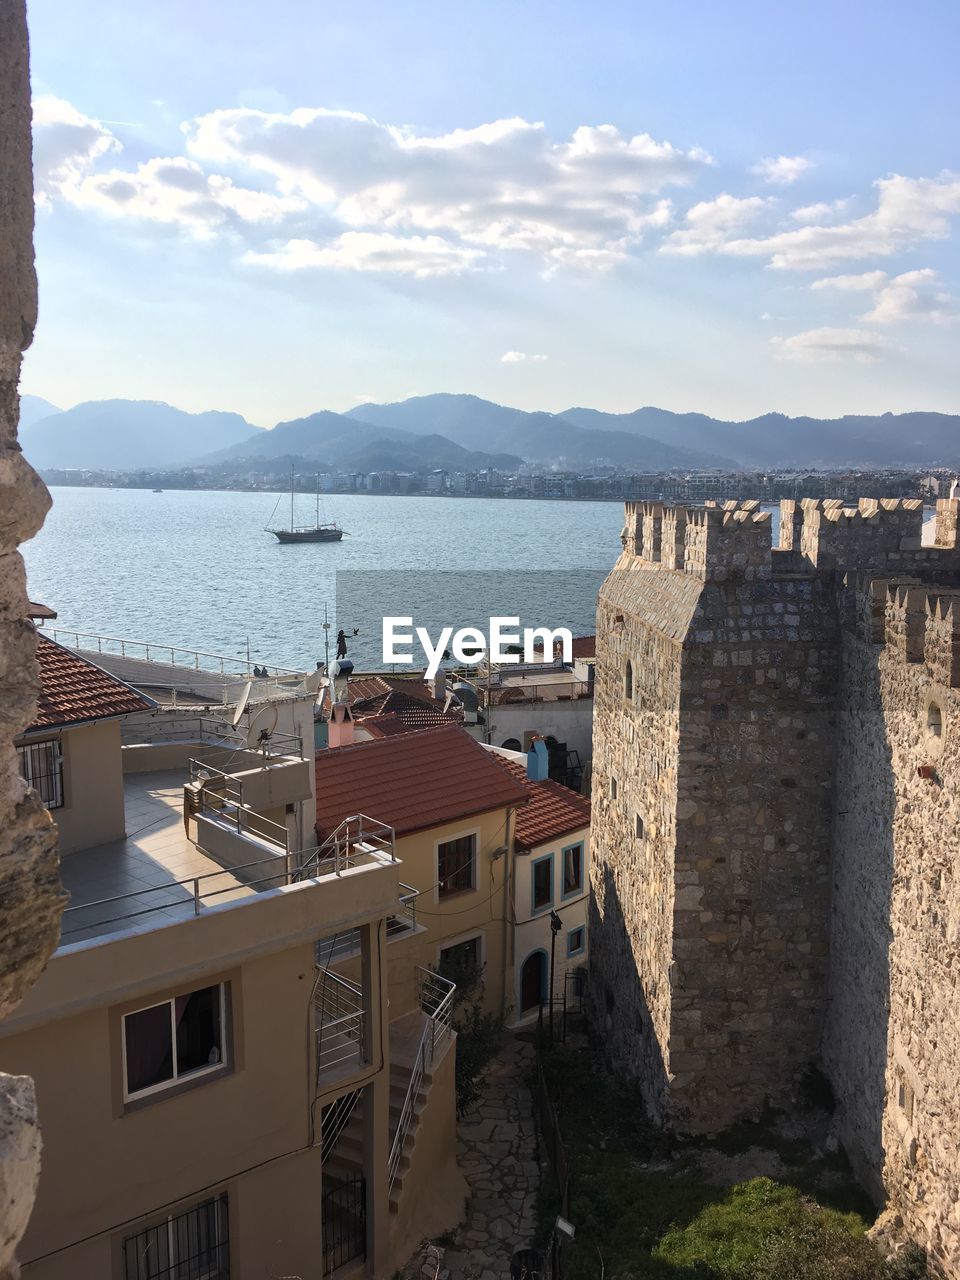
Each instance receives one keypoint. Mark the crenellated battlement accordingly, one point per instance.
(721, 540)
(917, 621)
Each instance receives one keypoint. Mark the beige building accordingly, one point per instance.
(199, 1073)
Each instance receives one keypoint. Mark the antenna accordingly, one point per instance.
(262, 728)
(242, 703)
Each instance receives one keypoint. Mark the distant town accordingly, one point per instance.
(600, 484)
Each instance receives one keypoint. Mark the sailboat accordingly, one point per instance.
(316, 532)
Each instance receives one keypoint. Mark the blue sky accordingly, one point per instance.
(730, 208)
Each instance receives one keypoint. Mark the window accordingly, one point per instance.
(573, 870)
(576, 940)
(542, 874)
(42, 765)
(194, 1245)
(455, 865)
(628, 681)
(934, 721)
(175, 1040)
(614, 788)
(638, 827)
(461, 963)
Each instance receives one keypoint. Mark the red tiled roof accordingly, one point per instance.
(385, 726)
(552, 810)
(415, 713)
(364, 687)
(73, 690)
(413, 781)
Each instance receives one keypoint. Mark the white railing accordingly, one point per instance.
(151, 651)
(350, 844)
(341, 1016)
(436, 995)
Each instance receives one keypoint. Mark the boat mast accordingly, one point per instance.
(292, 480)
(317, 521)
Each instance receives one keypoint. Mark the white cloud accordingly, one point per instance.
(913, 295)
(822, 211)
(782, 171)
(865, 281)
(909, 211)
(178, 192)
(710, 224)
(521, 357)
(830, 345)
(66, 145)
(419, 256)
(503, 186)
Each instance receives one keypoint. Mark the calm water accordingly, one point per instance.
(197, 569)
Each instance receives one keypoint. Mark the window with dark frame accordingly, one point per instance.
(542, 883)
(628, 681)
(572, 870)
(173, 1040)
(455, 865)
(575, 941)
(193, 1245)
(42, 766)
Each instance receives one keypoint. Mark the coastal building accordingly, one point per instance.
(551, 887)
(775, 834)
(197, 1066)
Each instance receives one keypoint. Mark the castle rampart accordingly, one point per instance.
(776, 828)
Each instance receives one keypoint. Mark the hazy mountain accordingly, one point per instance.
(332, 440)
(33, 408)
(480, 424)
(127, 434)
(908, 439)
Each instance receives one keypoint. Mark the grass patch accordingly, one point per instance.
(645, 1209)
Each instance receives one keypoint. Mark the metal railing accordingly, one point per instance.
(343, 1211)
(220, 796)
(334, 1119)
(341, 1020)
(435, 995)
(151, 651)
(194, 889)
(161, 728)
(553, 691)
(351, 844)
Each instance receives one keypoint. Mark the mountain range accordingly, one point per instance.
(464, 432)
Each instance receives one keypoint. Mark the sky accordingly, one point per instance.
(272, 209)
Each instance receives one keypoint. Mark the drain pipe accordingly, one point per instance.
(507, 899)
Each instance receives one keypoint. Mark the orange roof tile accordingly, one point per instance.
(552, 810)
(415, 713)
(413, 781)
(73, 690)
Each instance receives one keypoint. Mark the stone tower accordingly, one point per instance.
(776, 828)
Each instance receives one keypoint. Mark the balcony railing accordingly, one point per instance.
(547, 691)
(341, 1018)
(220, 796)
(151, 651)
(342, 946)
(352, 844)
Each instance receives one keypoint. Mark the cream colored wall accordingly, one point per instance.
(92, 811)
(532, 931)
(105, 1168)
(477, 911)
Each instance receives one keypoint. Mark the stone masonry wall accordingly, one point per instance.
(892, 1037)
(30, 896)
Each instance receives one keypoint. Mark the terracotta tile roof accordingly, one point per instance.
(412, 782)
(414, 713)
(552, 810)
(384, 726)
(73, 690)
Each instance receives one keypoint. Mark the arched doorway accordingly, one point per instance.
(512, 744)
(533, 981)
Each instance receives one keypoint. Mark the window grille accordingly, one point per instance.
(193, 1245)
(42, 765)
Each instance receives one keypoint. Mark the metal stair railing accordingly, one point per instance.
(436, 1000)
(356, 837)
(334, 1119)
(340, 1034)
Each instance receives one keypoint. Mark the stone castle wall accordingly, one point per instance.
(792, 744)
(892, 1038)
(30, 896)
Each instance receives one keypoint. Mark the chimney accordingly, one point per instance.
(438, 686)
(538, 762)
(340, 728)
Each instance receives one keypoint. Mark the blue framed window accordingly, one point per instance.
(576, 941)
(541, 884)
(572, 870)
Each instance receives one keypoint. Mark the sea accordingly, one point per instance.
(197, 569)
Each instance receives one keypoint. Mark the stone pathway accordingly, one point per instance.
(497, 1151)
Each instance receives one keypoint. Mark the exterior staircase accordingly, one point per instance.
(345, 1161)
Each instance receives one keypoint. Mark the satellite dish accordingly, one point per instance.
(314, 681)
(262, 728)
(242, 703)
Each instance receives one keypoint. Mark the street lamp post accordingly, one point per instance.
(555, 927)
